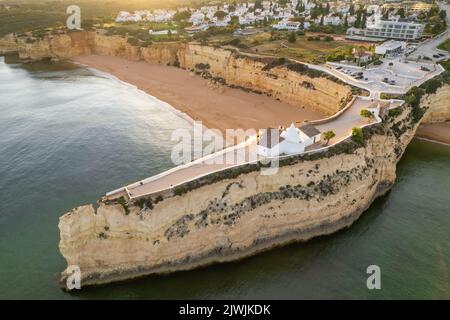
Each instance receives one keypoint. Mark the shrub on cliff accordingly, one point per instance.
(431, 85)
(358, 136)
(292, 37)
(394, 112)
(124, 205)
(144, 202)
(133, 41)
(180, 190)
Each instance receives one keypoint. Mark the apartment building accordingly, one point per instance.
(392, 28)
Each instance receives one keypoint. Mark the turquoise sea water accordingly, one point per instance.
(68, 135)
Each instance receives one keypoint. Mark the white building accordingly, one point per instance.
(392, 28)
(162, 32)
(274, 142)
(309, 134)
(197, 18)
(390, 47)
(331, 20)
(287, 25)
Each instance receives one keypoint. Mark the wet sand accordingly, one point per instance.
(218, 107)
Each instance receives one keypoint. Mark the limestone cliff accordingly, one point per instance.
(291, 82)
(8, 44)
(439, 106)
(238, 212)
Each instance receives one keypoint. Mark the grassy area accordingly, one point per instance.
(307, 48)
(446, 65)
(445, 45)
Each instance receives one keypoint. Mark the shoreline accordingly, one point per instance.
(218, 107)
(434, 132)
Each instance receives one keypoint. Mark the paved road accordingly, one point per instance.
(428, 48)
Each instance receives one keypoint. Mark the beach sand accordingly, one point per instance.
(435, 131)
(218, 107)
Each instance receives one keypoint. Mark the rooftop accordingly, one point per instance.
(309, 130)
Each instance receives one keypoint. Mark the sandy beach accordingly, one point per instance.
(217, 107)
(439, 132)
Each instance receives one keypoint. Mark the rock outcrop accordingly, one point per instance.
(238, 212)
(439, 106)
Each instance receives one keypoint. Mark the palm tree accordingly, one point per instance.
(328, 135)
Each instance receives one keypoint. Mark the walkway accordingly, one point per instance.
(240, 154)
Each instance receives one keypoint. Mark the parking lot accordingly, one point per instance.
(394, 75)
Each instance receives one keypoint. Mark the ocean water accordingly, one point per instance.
(68, 135)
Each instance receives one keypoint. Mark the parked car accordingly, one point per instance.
(436, 56)
(424, 68)
(441, 55)
(385, 80)
(392, 82)
(391, 64)
(338, 68)
(426, 58)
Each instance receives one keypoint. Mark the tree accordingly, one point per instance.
(366, 114)
(358, 20)
(181, 16)
(327, 8)
(321, 20)
(364, 19)
(346, 21)
(220, 14)
(351, 10)
(328, 135)
(358, 136)
(258, 4)
(401, 12)
(292, 37)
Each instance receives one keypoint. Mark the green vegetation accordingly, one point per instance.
(28, 15)
(124, 205)
(395, 112)
(180, 190)
(292, 37)
(358, 136)
(436, 21)
(445, 45)
(388, 96)
(446, 65)
(328, 135)
(366, 114)
(144, 203)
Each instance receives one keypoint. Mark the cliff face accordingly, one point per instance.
(246, 71)
(439, 105)
(8, 44)
(239, 214)
(242, 70)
